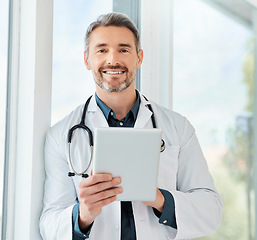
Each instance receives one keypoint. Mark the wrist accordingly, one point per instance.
(159, 208)
(84, 222)
(85, 227)
(159, 202)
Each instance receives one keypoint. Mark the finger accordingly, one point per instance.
(94, 207)
(108, 193)
(97, 178)
(102, 186)
(106, 201)
(100, 196)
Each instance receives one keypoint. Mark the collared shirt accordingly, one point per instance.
(128, 231)
(128, 121)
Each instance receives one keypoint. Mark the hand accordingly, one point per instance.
(158, 203)
(95, 192)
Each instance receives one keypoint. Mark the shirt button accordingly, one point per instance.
(112, 113)
(121, 123)
(117, 227)
(165, 221)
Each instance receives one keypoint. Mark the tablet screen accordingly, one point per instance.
(132, 154)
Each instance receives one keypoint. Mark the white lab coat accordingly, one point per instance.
(182, 171)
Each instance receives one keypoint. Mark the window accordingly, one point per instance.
(3, 83)
(72, 82)
(213, 86)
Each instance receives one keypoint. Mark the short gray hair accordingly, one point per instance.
(113, 19)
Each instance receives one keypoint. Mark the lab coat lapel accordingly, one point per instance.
(144, 115)
(97, 117)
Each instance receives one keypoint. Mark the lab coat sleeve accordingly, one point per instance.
(59, 194)
(198, 206)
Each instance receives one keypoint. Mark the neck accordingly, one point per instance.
(119, 102)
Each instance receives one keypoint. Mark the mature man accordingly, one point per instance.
(187, 204)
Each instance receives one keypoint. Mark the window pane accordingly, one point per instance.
(3, 77)
(213, 87)
(72, 82)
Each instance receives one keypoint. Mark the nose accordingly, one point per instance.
(113, 58)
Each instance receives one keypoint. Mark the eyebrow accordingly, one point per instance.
(120, 45)
(125, 45)
(101, 45)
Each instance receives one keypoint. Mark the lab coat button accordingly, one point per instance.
(117, 227)
(165, 221)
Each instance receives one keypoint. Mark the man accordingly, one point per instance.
(187, 204)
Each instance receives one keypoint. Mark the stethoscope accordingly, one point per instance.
(90, 136)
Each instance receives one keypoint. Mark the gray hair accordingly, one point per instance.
(113, 19)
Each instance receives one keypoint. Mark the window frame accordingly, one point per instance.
(28, 99)
(255, 116)
(157, 44)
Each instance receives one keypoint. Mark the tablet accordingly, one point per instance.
(132, 154)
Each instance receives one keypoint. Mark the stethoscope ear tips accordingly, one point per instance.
(84, 175)
(71, 174)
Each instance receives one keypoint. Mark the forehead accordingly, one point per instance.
(111, 36)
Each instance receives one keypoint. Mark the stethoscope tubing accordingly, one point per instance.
(91, 142)
(82, 174)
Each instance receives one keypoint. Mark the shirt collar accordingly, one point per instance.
(135, 107)
(106, 110)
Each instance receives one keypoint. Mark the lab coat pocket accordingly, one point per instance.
(168, 167)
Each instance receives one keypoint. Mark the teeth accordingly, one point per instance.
(113, 72)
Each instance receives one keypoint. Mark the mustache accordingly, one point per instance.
(110, 67)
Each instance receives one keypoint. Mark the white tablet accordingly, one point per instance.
(132, 154)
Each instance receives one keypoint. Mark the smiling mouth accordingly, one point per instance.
(113, 72)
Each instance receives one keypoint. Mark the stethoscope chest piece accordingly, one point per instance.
(162, 145)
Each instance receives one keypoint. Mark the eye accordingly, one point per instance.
(124, 50)
(101, 51)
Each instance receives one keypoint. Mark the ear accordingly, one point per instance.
(140, 58)
(86, 61)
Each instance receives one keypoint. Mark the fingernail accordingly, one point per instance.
(119, 180)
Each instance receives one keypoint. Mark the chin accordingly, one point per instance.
(111, 88)
(115, 89)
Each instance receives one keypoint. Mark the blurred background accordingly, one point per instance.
(213, 81)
